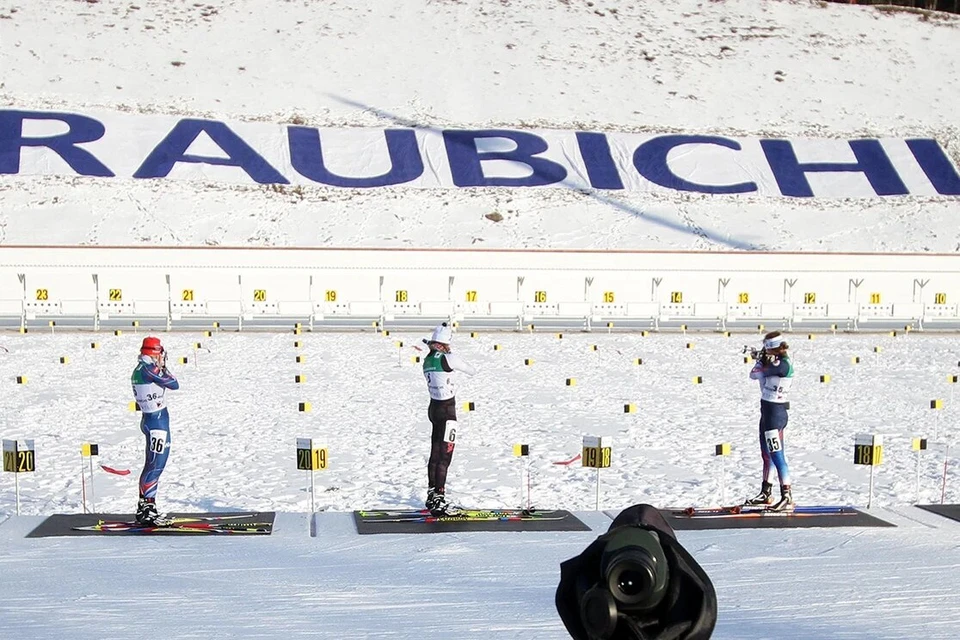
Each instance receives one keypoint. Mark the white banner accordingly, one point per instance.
(123, 145)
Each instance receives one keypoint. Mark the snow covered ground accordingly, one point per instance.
(236, 419)
(795, 68)
(235, 423)
(791, 68)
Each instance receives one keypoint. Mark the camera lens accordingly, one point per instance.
(635, 582)
(631, 577)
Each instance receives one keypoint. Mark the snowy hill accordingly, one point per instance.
(798, 69)
(751, 69)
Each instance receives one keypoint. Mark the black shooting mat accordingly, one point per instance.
(846, 517)
(415, 522)
(951, 511)
(191, 524)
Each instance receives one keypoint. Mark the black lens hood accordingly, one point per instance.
(689, 609)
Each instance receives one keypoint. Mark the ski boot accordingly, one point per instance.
(438, 504)
(147, 513)
(433, 498)
(763, 498)
(785, 503)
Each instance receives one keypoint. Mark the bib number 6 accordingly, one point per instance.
(450, 432)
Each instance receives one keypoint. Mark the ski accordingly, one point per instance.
(468, 518)
(191, 527)
(419, 513)
(189, 524)
(761, 510)
(465, 515)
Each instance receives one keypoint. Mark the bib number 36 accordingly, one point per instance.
(158, 441)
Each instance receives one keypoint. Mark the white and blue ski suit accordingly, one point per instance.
(775, 377)
(150, 382)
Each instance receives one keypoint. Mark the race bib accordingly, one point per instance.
(772, 438)
(158, 441)
(450, 432)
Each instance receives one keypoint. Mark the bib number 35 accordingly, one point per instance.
(772, 438)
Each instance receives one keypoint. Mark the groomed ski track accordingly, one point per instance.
(772, 583)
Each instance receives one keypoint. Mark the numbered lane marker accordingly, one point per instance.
(19, 456)
(596, 453)
(310, 457)
(868, 449)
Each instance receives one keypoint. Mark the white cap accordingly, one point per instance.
(442, 334)
(773, 343)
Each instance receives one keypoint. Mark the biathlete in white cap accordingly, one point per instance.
(438, 368)
(774, 371)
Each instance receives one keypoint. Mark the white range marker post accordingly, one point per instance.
(312, 459)
(723, 450)
(868, 450)
(596, 454)
(943, 487)
(18, 457)
(522, 453)
(937, 406)
(919, 444)
(87, 453)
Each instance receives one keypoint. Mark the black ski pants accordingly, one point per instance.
(441, 451)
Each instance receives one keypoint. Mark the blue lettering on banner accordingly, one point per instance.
(80, 129)
(173, 149)
(466, 160)
(601, 169)
(650, 160)
(935, 163)
(306, 156)
(872, 161)
(475, 158)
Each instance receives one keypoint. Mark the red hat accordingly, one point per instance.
(151, 346)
